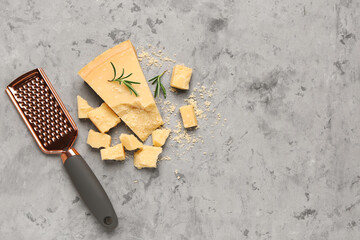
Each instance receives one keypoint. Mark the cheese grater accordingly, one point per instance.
(55, 132)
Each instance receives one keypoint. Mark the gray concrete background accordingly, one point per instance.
(285, 165)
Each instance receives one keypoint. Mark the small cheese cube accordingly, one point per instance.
(103, 118)
(188, 116)
(98, 140)
(113, 153)
(83, 107)
(147, 157)
(130, 142)
(180, 77)
(159, 136)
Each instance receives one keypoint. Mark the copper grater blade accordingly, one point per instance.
(43, 112)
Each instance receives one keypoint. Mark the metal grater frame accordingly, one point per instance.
(43, 112)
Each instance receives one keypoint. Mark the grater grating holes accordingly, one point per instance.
(43, 112)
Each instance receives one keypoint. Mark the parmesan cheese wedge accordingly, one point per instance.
(140, 113)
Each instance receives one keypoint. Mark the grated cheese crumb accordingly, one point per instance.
(218, 118)
(167, 59)
(165, 158)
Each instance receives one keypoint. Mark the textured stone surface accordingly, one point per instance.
(285, 165)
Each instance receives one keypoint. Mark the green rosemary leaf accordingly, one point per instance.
(121, 79)
(121, 74)
(131, 89)
(114, 71)
(153, 79)
(159, 85)
(127, 76)
(156, 91)
(131, 82)
(163, 89)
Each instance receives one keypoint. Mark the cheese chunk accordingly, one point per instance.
(140, 113)
(98, 140)
(159, 136)
(147, 157)
(103, 118)
(130, 142)
(188, 116)
(83, 107)
(180, 77)
(113, 153)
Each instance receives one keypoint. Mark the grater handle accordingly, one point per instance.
(90, 189)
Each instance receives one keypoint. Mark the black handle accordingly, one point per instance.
(91, 191)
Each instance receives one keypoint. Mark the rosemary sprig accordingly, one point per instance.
(123, 80)
(159, 85)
